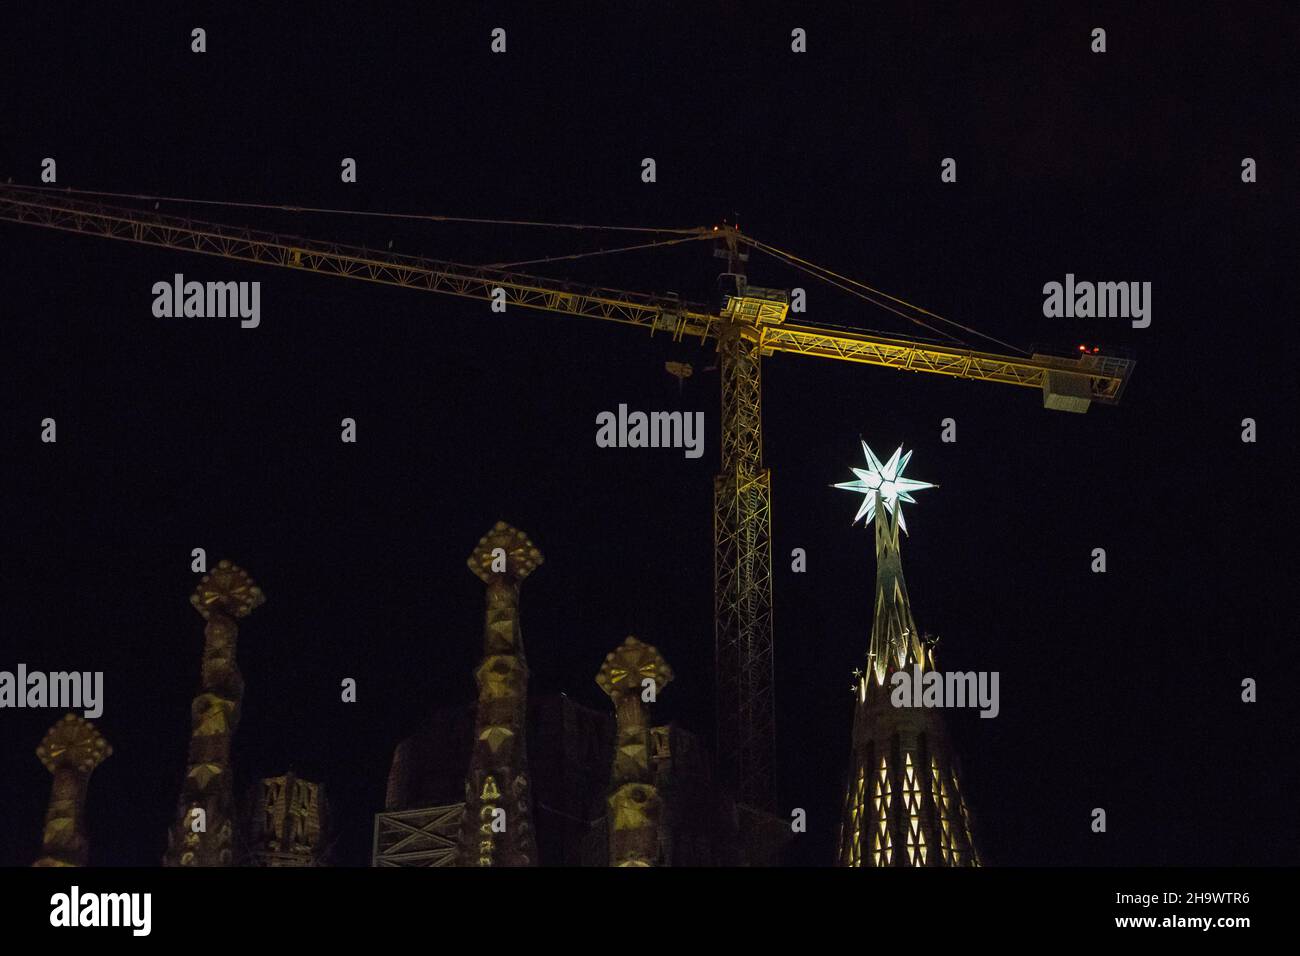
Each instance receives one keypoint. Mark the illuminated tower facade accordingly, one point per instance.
(497, 826)
(903, 805)
(203, 834)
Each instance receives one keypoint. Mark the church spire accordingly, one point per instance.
(203, 834)
(902, 805)
(895, 641)
(633, 675)
(497, 826)
(71, 751)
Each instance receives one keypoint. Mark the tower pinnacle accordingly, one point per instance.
(497, 826)
(203, 834)
(632, 676)
(895, 641)
(902, 805)
(71, 751)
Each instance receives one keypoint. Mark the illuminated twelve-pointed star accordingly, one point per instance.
(888, 481)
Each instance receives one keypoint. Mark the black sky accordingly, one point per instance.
(1118, 691)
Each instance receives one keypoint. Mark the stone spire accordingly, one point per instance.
(497, 828)
(71, 751)
(633, 675)
(895, 641)
(203, 834)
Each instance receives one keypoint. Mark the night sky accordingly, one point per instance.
(1119, 691)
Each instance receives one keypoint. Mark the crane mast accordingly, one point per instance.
(747, 324)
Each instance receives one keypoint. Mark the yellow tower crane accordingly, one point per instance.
(747, 323)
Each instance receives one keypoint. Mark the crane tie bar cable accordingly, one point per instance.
(694, 232)
(821, 272)
(597, 252)
(845, 283)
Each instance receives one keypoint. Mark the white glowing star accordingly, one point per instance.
(886, 480)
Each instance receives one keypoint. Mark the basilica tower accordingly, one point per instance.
(204, 831)
(497, 826)
(903, 805)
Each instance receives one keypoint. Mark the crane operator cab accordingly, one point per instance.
(754, 305)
